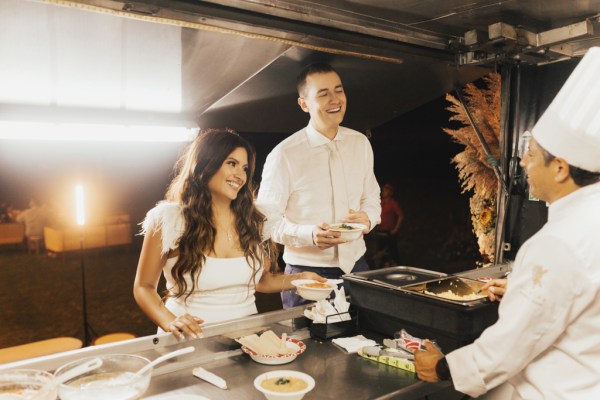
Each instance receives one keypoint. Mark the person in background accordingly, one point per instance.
(206, 240)
(386, 232)
(4, 213)
(545, 343)
(34, 218)
(319, 175)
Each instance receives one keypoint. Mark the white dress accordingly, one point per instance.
(224, 289)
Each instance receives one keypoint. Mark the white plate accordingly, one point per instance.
(293, 344)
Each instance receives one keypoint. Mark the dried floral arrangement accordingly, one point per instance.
(474, 171)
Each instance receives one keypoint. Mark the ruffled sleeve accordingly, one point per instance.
(168, 218)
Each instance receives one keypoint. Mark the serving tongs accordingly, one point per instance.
(458, 286)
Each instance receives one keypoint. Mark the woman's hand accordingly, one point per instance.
(185, 324)
(311, 275)
(496, 289)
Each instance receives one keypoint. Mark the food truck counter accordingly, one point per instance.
(337, 373)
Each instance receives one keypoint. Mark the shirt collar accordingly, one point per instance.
(316, 138)
(562, 206)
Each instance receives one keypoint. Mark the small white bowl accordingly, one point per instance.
(312, 293)
(271, 395)
(348, 230)
(298, 346)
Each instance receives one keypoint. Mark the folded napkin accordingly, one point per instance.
(323, 309)
(354, 344)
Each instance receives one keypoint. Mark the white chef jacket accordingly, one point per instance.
(295, 192)
(546, 342)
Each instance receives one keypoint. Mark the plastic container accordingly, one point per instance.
(330, 330)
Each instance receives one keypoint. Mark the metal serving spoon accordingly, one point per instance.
(160, 359)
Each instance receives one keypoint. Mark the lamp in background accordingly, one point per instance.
(79, 205)
(80, 219)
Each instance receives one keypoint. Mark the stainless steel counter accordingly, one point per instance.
(337, 373)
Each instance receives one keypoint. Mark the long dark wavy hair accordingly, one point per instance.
(189, 188)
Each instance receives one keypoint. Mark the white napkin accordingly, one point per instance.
(323, 308)
(354, 343)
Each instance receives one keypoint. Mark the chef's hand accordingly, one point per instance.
(496, 289)
(324, 239)
(186, 324)
(426, 360)
(358, 217)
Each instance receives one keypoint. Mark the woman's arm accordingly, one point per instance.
(274, 283)
(145, 290)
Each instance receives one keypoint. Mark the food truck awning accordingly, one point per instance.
(238, 58)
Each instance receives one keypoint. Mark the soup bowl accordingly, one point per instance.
(349, 231)
(284, 384)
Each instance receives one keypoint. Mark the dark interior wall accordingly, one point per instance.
(414, 153)
(533, 88)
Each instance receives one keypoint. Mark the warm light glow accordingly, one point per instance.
(79, 205)
(91, 132)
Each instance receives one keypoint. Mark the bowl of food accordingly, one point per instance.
(348, 230)
(295, 347)
(311, 289)
(115, 379)
(27, 384)
(284, 384)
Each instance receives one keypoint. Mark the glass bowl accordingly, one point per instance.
(27, 384)
(115, 379)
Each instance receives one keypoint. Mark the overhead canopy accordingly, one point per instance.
(233, 62)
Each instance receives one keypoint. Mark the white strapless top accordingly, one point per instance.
(225, 287)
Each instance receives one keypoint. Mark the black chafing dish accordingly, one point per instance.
(390, 299)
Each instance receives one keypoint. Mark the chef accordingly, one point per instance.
(546, 342)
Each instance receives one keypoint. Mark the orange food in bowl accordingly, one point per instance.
(317, 285)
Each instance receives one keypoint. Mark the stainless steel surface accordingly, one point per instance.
(338, 374)
(494, 271)
(395, 277)
(458, 286)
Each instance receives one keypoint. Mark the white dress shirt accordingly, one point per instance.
(546, 342)
(295, 192)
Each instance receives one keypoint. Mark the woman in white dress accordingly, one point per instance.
(206, 240)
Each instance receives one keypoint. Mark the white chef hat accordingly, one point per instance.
(570, 127)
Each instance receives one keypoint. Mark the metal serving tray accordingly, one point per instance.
(386, 308)
(395, 277)
(452, 289)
